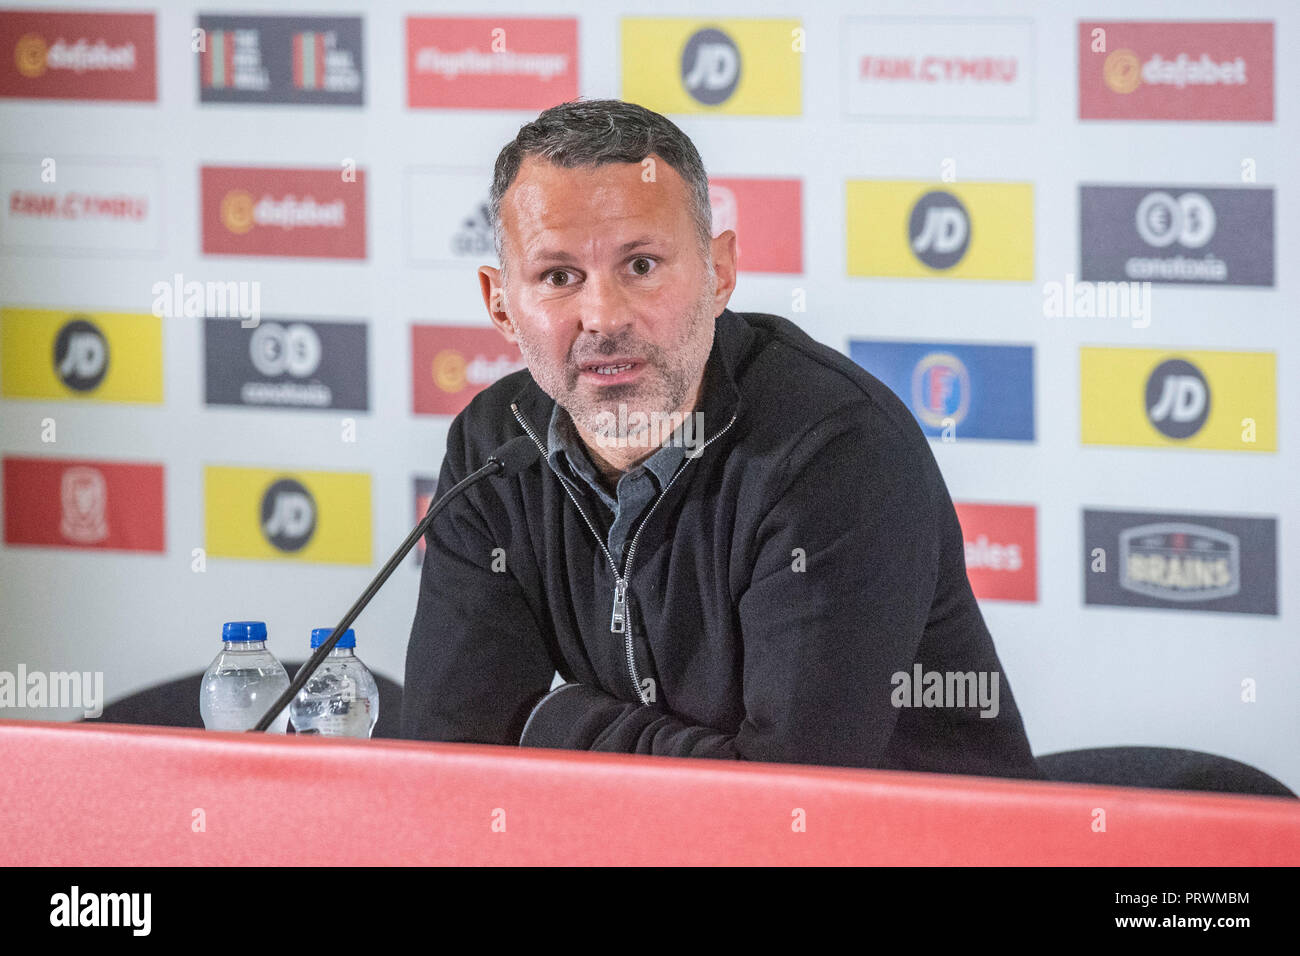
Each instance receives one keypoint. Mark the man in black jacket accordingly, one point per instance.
(736, 542)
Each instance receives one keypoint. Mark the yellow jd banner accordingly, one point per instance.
(81, 356)
(320, 516)
(1188, 399)
(740, 66)
(927, 229)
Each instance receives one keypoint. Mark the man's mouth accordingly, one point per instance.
(615, 370)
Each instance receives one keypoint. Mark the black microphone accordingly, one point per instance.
(514, 456)
(506, 462)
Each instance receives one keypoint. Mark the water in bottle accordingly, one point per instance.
(243, 681)
(341, 699)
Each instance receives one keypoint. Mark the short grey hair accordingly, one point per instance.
(596, 132)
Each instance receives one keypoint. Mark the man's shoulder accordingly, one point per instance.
(815, 412)
(793, 382)
(488, 420)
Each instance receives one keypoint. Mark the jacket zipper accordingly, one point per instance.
(618, 621)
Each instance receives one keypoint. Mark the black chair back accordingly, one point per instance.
(1167, 768)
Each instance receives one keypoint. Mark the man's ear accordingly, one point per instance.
(489, 280)
(723, 250)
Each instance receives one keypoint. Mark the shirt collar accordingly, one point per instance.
(564, 444)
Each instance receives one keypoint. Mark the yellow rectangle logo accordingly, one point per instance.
(1174, 398)
(269, 514)
(737, 66)
(81, 356)
(940, 230)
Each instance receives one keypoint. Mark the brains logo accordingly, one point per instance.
(940, 389)
(1177, 561)
(237, 211)
(939, 229)
(710, 66)
(450, 370)
(1177, 399)
(1122, 71)
(30, 55)
(288, 515)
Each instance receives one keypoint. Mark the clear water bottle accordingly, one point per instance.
(341, 699)
(242, 681)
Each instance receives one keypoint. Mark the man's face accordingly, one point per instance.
(610, 298)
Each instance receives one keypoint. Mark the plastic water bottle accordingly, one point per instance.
(342, 698)
(243, 681)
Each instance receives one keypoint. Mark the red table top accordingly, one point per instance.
(96, 795)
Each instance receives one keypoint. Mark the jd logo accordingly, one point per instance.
(710, 66)
(276, 349)
(80, 355)
(1188, 220)
(939, 230)
(288, 515)
(1177, 398)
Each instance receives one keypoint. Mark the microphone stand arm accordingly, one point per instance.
(493, 467)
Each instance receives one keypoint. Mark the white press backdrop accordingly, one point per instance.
(1084, 676)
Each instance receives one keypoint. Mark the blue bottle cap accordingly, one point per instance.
(322, 634)
(243, 631)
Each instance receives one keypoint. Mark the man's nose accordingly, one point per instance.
(604, 305)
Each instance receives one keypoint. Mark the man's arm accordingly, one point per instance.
(581, 717)
(476, 661)
(844, 568)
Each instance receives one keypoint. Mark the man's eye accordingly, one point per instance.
(637, 267)
(557, 272)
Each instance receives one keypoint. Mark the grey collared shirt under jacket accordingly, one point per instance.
(635, 490)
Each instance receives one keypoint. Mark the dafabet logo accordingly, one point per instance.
(262, 211)
(451, 364)
(77, 56)
(1172, 70)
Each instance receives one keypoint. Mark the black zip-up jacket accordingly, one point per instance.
(773, 594)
